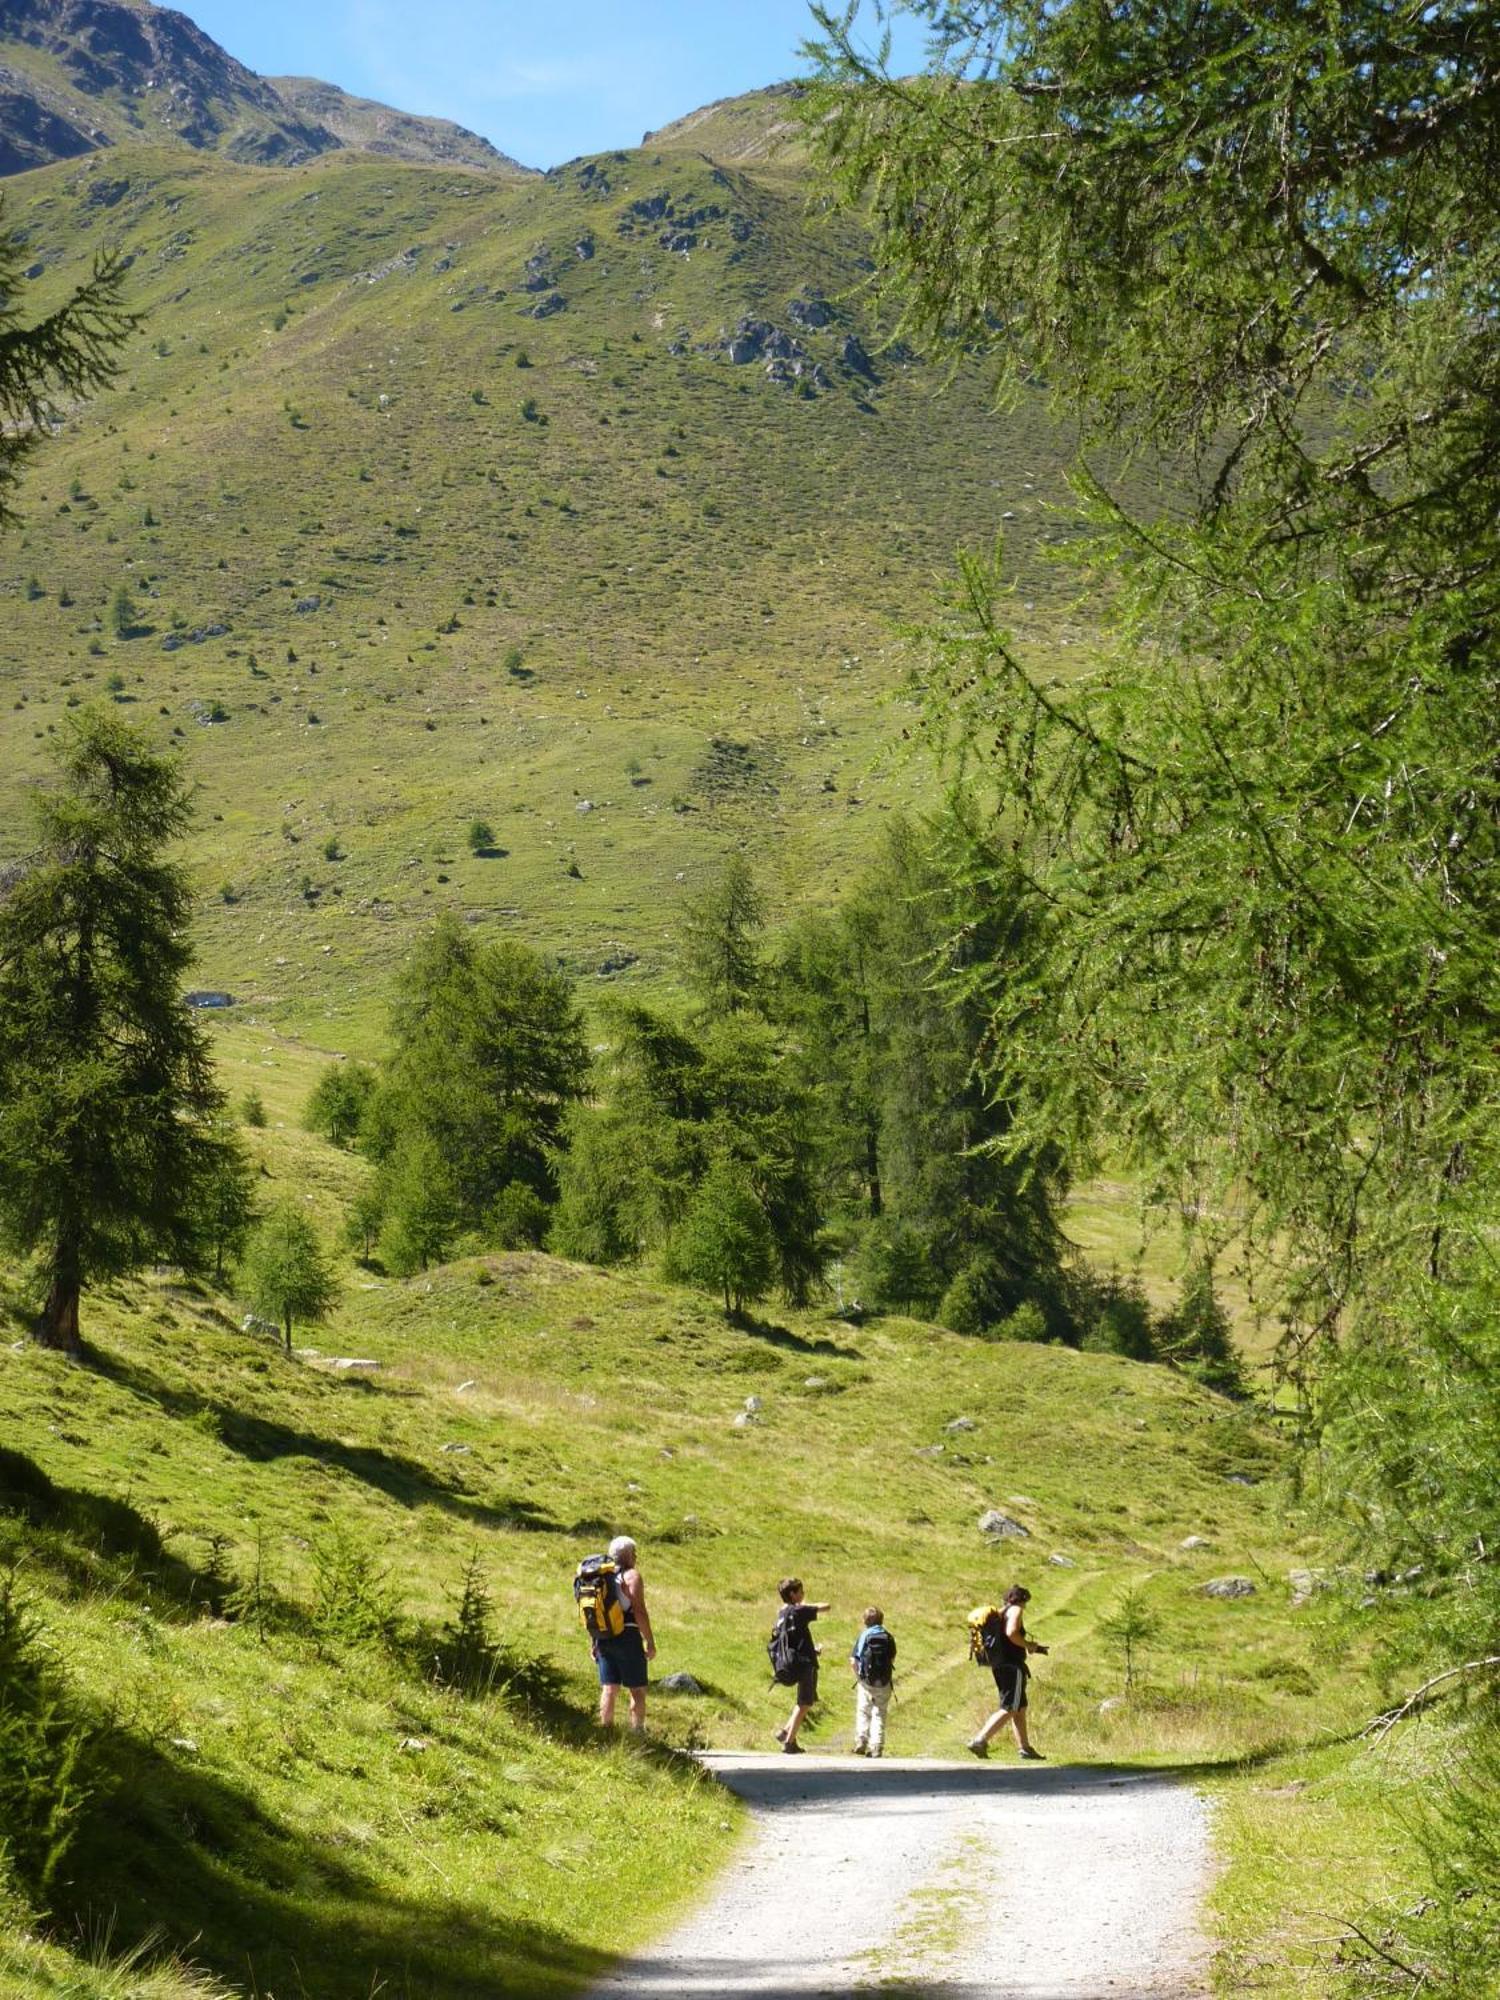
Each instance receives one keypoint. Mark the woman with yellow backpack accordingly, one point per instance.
(997, 1639)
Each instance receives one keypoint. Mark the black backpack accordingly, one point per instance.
(877, 1657)
(785, 1647)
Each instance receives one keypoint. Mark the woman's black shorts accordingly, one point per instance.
(1010, 1685)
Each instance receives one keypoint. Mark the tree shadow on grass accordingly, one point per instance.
(266, 1439)
(175, 1853)
(782, 1336)
(78, 1535)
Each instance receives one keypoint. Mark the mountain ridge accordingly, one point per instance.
(77, 76)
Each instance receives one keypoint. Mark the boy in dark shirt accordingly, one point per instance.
(799, 1614)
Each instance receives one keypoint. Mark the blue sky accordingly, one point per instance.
(542, 82)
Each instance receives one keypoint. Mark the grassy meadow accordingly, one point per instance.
(287, 1802)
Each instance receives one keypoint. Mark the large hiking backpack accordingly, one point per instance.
(877, 1657)
(986, 1630)
(785, 1649)
(596, 1592)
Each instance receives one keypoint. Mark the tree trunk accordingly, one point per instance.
(58, 1324)
(287, 1336)
(872, 1170)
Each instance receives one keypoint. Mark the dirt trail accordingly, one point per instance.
(920, 1880)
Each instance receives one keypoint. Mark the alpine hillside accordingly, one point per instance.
(588, 503)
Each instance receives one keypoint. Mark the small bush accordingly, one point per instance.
(1027, 1322)
(1121, 1320)
(518, 1218)
(961, 1308)
(469, 1656)
(355, 1602)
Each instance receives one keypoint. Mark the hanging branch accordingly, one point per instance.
(1382, 1725)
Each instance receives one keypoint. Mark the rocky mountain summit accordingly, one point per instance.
(77, 75)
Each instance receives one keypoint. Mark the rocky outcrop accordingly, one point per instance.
(113, 70)
(31, 135)
(369, 127)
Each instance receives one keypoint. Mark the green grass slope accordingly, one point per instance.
(633, 602)
(759, 126)
(289, 1804)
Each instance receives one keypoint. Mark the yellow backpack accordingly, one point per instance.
(986, 1629)
(596, 1592)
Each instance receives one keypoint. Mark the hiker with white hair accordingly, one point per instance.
(611, 1598)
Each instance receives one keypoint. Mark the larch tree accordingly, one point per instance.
(1252, 252)
(69, 352)
(109, 1107)
(721, 939)
(287, 1274)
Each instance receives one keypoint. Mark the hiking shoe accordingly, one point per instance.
(792, 1750)
(1030, 1756)
(864, 1750)
(979, 1748)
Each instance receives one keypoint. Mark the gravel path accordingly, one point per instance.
(921, 1880)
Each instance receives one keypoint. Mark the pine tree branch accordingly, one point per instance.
(1382, 1725)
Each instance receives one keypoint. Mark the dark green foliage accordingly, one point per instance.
(677, 1102)
(338, 1101)
(721, 938)
(724, 1243)
(481, 836)
(1116, 1316)
(45, 1756)
(895, 1267)
(911, 1135)
(71, 351)
(287, 1276)
(226, 1204)
(355, 1602)
(108, 1103)
(417, 1198)
(487, 1054)
(518, 1218)
(253, 1110)
(965, 1306)
(1195, 1335)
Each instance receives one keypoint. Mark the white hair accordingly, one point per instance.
(622, 1551)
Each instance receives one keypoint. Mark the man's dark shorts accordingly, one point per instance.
(1010, 1685)
(622, 1661)
(807, 1686)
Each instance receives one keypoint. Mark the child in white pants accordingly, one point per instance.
(873, 1660)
